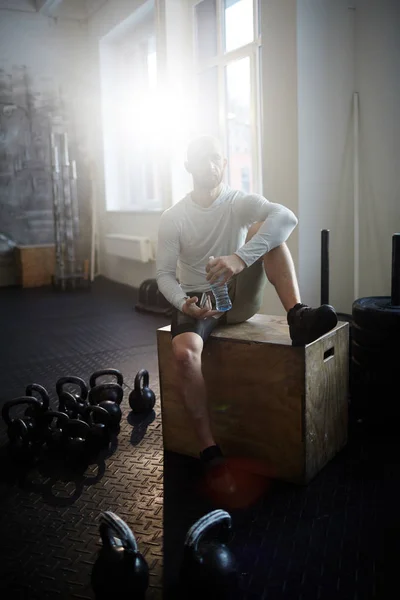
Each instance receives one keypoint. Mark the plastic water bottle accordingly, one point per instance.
(221, 295)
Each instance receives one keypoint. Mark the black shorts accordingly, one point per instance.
(246, 292)
(182, 323)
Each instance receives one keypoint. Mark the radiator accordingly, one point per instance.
(133, 247)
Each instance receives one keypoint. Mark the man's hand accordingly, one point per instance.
(223, 268)
(190, 309)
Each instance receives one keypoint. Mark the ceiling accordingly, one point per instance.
(64, 9)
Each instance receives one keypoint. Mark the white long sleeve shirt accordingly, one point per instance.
(189, 234)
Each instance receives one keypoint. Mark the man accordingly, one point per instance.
(246, 234)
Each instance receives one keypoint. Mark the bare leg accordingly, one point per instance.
(281, 273)
(187, 348)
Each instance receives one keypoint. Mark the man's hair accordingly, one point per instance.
(198, 142)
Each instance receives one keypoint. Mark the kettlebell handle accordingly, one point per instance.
(65, 399)
(112, 526)
(97, 374)
(94, 409)
(104, 387)
(142, 374)
(36, 387)
(74, 380)
(5, 411)
(195, 533)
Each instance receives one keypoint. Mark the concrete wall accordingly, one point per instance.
(377, 60)
(325, 61)
(280, 118)
(42, 76)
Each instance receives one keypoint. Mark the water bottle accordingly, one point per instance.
(220, 291)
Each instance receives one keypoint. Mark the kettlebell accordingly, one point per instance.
(76, 433)
(22, 432)
(98, 420)
(209, 568)
(81, 397)
(120, 571)
(101, 393)
(142, 398)
(69, 405)
(35, 411)
(104, 392)
(55, 436)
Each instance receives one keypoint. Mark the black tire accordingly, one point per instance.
(373, 338)
(373, 396)
(375, 312)
(382, 359)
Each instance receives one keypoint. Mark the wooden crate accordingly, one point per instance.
(36, 264)
(268, 400)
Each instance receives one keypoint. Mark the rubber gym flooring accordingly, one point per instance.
(323, 541)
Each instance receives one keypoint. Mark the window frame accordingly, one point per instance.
(220, 61)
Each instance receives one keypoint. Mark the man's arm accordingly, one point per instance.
(279, 222)
(167, 259)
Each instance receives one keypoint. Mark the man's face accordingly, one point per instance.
(206, 164)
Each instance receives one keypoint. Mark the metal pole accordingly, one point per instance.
(56, 209)
(356, 207)
(74, 200)
(69, 235)
(395, 297)
(325, 266)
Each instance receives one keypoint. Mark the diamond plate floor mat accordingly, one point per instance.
(323, 541)
(49, 514)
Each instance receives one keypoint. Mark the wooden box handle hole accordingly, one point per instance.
(329, 353)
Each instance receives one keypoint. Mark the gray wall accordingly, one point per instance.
(325, 60)
(377, 69)
(42, 77)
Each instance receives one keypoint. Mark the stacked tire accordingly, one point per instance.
(375, 361)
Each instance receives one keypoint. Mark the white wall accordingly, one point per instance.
(47, 47)
(55, 53)
(279, 115)
(325, 87)
(378, 83)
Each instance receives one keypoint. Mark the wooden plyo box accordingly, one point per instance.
(268, 400)
(36, 264)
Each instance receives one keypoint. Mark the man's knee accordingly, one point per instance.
(187, 350)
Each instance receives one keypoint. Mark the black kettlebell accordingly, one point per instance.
(98, 420)
(142, 398)
(76, 433)
(120, 571)
(54, 433)
(110, 391)
(104, 392)
(81, 397)
(114, 411)
(69, 405)
(37, 411)
(23, 432)
(209, 568)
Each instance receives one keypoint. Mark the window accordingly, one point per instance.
(227, 45)
(129, 80)
(140, 81)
